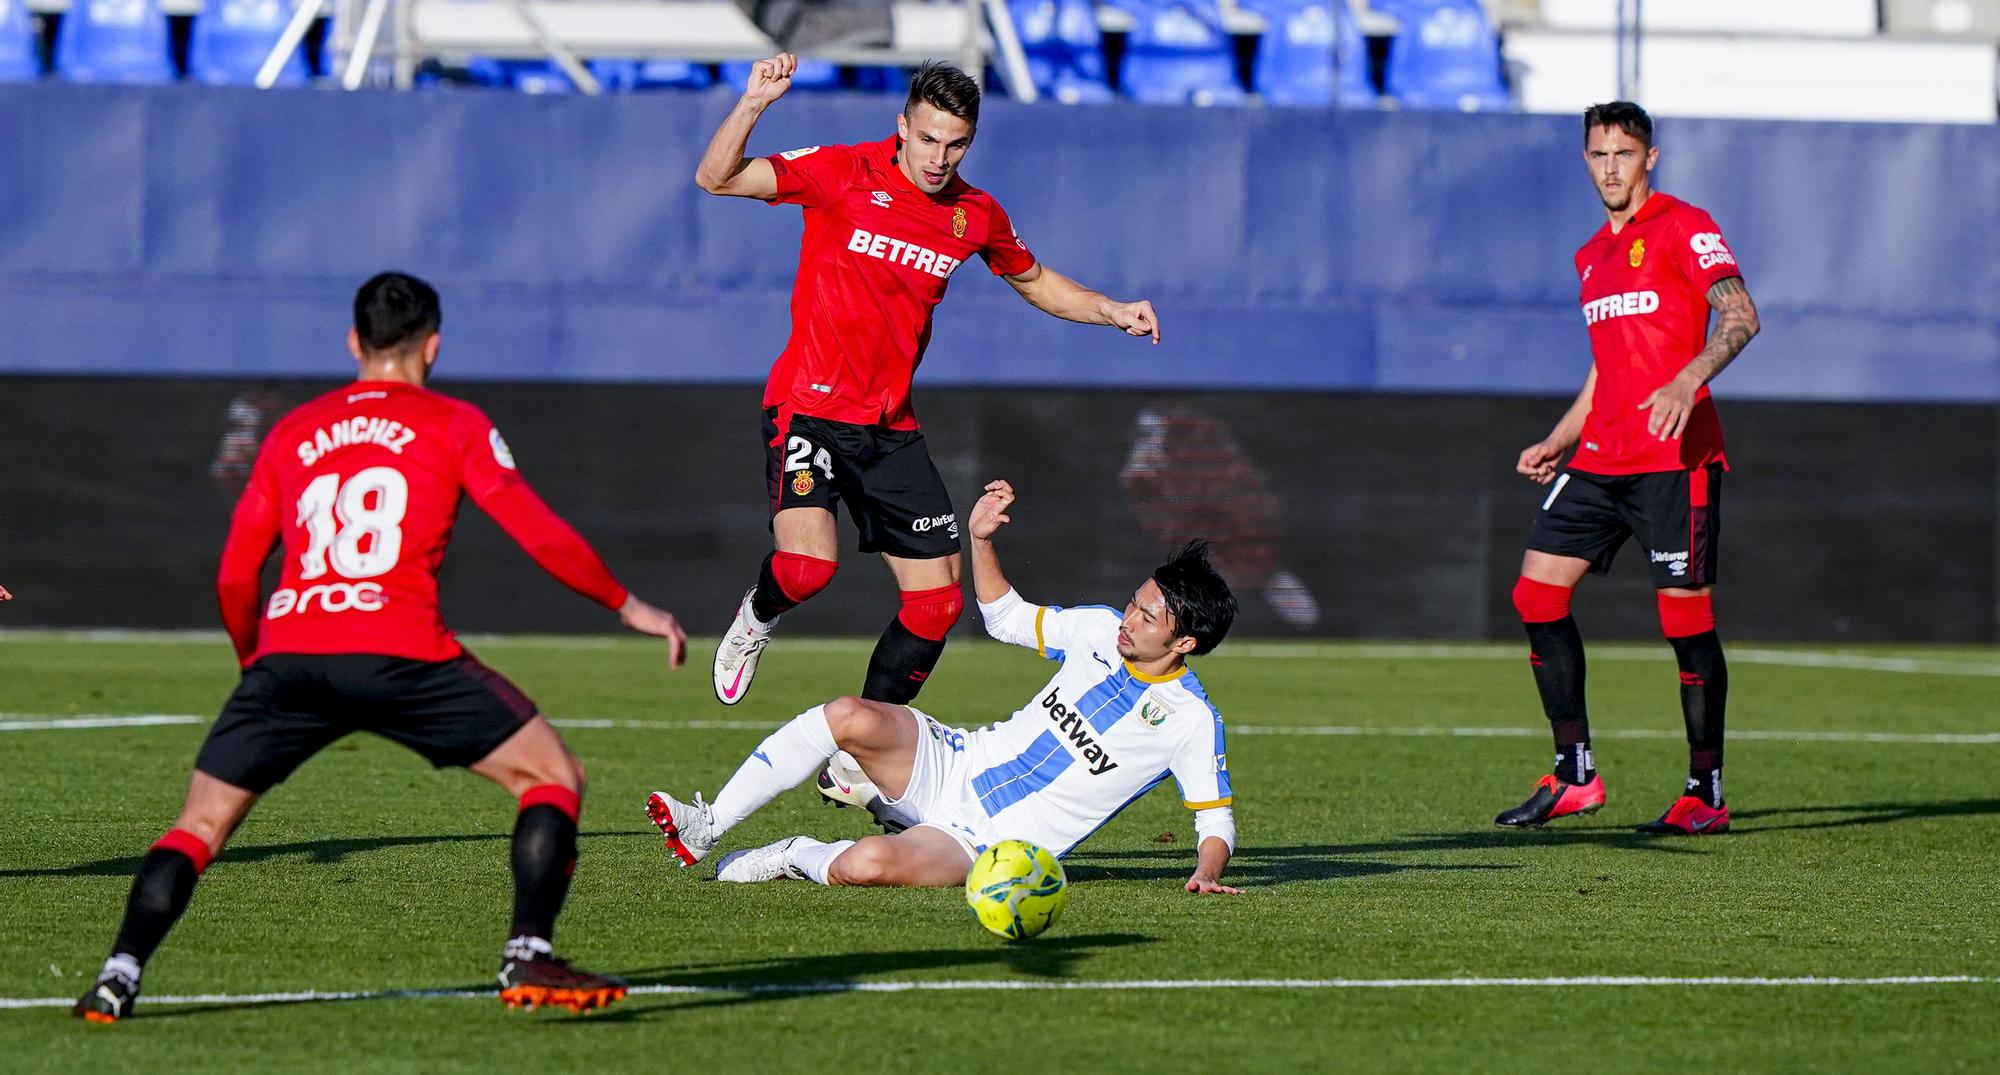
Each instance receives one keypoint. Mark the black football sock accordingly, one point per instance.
(160, 893)
(1555, 649)
(902, 661)
(1704, 697)
(768, 601)
(544, 858)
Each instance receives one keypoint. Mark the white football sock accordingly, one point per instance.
(812, 858)
(122, 965)
(527, 947)
(783, 761)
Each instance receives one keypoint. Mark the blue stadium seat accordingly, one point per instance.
(232, 38)
(1065, 51)
(123, 41)
(548, 77)
(1312, 53)
(673, 74)
(19, 62)
(1179, 53)
(537, 76)
(1445, 57)
(811, 75)
(878, 79)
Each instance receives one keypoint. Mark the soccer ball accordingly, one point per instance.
(1016, 889)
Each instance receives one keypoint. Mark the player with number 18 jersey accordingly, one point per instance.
(363, 485)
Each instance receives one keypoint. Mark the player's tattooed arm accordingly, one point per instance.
(1735, 325)
(1055, 294)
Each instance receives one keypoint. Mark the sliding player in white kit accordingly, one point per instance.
(1122, 714)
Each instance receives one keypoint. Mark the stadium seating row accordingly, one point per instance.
(1445, 55)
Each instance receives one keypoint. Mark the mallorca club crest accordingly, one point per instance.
(802, 483)
(1638, 252)
(958, 223)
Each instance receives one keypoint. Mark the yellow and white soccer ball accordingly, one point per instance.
(1016, 889)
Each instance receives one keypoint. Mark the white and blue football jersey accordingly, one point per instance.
(1095, 738)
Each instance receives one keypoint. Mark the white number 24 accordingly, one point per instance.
(796, 451)
(338, 519)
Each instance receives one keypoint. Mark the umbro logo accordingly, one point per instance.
(881, 197)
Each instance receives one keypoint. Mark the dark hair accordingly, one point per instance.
(946, 88)
(1623, 115)
(1197, 598)
(394, 309)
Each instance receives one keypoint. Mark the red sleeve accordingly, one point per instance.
(1702, 255)
(486, 466)
(811, 176)
(252, 532)
(1004, 251)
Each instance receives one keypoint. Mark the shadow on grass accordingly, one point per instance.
(316, 852)
(726, 984)
(1260, 867)
(1769, 820)
(789, 978)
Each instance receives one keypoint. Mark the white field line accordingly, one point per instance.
(24, 722)
(30, 722)
(1240, 651)
(1012, 985)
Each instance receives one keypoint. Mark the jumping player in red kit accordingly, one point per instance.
(363, 485)
(1648, 464)
(886, 225)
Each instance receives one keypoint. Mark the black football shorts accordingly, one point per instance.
(1675, 514)
(290, 706)
(893, 492)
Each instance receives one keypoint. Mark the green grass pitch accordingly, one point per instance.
(1366, 846)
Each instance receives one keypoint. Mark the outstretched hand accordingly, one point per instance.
(769, 79)
(990, 514)
(658, 622)
(1136, 318)
(1209, 885)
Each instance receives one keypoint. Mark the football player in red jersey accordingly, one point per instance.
(886, 225)
(362, 485)
(1648, 464)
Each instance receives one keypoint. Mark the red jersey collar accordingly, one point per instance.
(1657, 203)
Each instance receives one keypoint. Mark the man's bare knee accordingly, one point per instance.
(209, 827)
(871, 861)
(853, 722)
(213, 809)
(532, 757)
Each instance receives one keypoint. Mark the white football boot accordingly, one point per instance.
(843, 784)
(736, 655)
(688, 827)
(767, 863)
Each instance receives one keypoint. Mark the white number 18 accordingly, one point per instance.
(338, 519)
